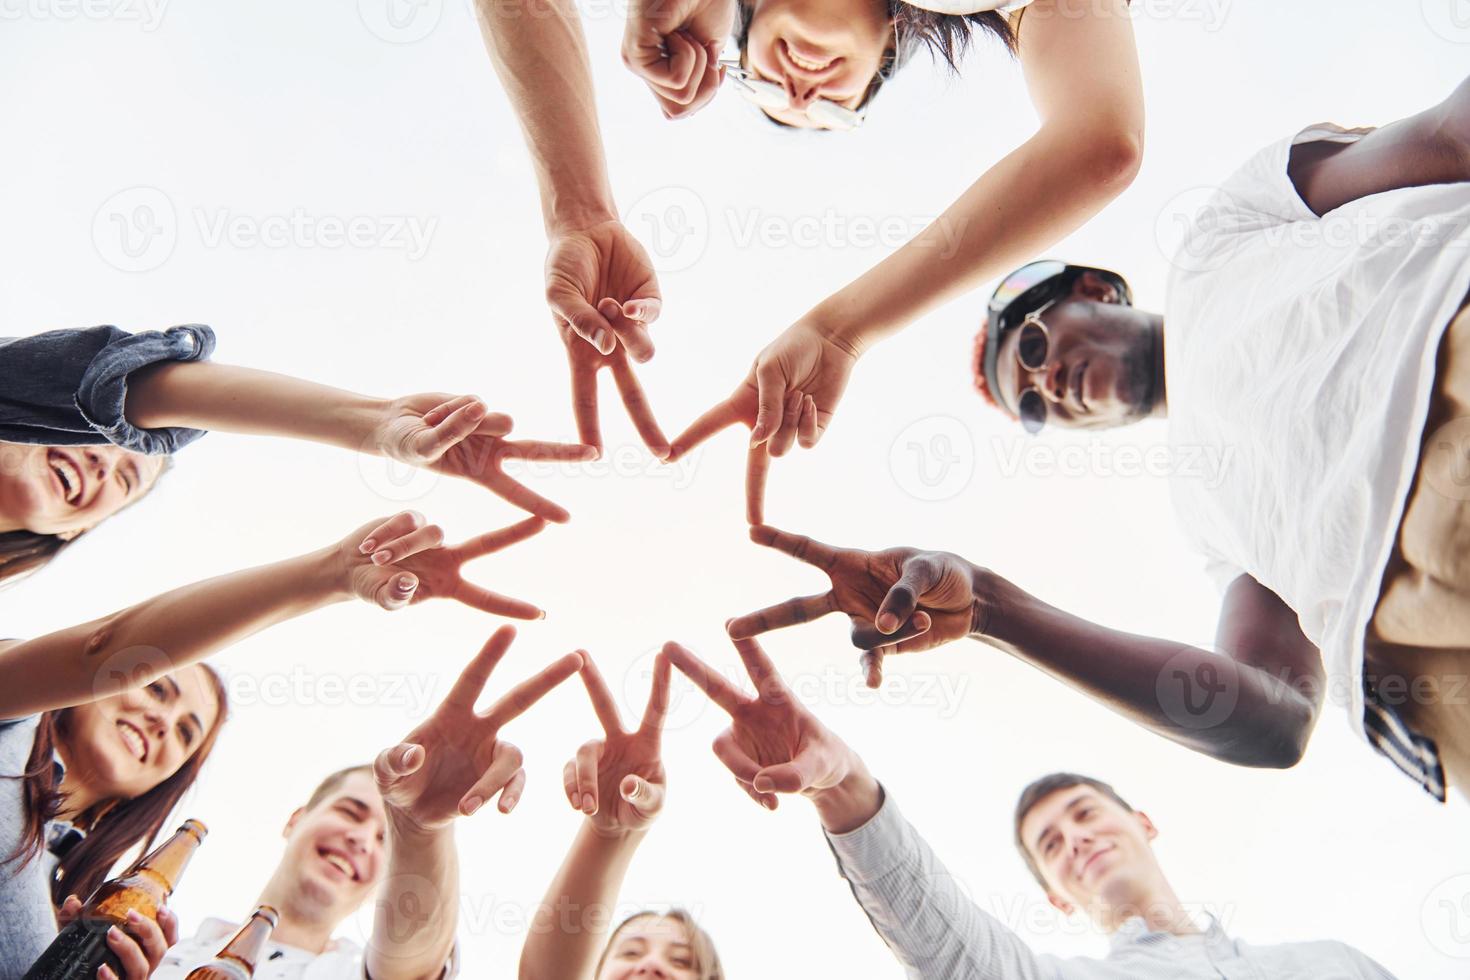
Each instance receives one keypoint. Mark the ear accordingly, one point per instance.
(291, 824)
(1092, 286)
(1149, 830)
(73, 534)
(1060, 904)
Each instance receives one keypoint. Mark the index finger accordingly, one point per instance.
(720, 691)
(658, 696)
(529, 691)
(798, 546)
(757, 466)
(721, 417)
(471, 682)
(636, 402)
(603, 703)
(757, 664)
(492, 541)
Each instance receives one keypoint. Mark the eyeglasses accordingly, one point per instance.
(1033, 349)
(769, 95)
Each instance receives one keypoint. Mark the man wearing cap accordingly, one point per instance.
(1317, 336)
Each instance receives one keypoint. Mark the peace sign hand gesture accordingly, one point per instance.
(402, 561)
(460, 437)
(455, 761)
(900, 600)
(774, 744)
(618, 780)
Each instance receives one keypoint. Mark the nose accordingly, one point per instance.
(1052, 381)
(651, 968)
(357, 839)
(157, 721)
(100, 464)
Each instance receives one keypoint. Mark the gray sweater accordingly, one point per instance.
(27, 919)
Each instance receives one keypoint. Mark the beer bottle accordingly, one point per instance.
(237, 960)
(80, 948)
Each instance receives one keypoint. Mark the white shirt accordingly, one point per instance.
(968, 6)
(1305, 347)
(342, 961)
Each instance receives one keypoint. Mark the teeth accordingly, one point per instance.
(133, 739)
(340, 864)
(70, 477)
(808, 65)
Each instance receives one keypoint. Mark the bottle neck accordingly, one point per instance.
(249, 943)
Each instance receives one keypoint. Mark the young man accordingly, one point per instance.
(1299, 356)
(1088, 848)
(387, 828)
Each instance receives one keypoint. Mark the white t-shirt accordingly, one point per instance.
(343, 961)
(969, 6)
(1305, 348)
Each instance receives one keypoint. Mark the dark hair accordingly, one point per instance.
(27, 552)
(113, 826)
(1039, 790)
(329, 785)
(947, 36)
(708, 966)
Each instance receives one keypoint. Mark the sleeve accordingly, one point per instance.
(922, 912)
(68, 387)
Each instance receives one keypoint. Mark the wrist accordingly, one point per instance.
(993, 604)
(566, 217)
(831, 321)
(851, 803)
(629, 837)
(328, 573)
(408, 832)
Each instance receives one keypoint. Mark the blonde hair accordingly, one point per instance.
(707, 960)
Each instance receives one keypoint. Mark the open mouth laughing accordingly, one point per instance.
(341, 865)
(134, 739)
(67, 474)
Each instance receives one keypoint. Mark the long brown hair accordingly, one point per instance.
(23, 552)
(704, 947)
(114, 826)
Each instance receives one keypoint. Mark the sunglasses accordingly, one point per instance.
(1033, 350)
(769, 95)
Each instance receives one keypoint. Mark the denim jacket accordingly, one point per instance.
(67, 387)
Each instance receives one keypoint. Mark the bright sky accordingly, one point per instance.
(341, 191)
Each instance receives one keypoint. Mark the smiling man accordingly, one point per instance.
(1317, 338)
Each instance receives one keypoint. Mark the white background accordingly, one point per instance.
(245, 113)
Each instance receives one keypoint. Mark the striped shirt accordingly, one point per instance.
(937, 933)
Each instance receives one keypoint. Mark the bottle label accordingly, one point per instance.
(76, 953)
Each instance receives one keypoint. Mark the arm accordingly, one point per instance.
(132, 648)
(1081, 68)
(1254, 703)
(911, 899)
(1432, 147)
(446, 768)
(618, 782)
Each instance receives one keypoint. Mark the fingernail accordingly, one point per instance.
(767, 804)
(763, 784)
(367, 546)
(113, 934)
(887, 622)
(507, 805)
(477, 411)
(471, 805)
(405, 584)
(382, 557)
(588, 805)
(133, 916)
(599, 340)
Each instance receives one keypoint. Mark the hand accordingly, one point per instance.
(603, 293)
(789, 396)
(402, 561)
(459, 437)
(618, 781)
(452, 763)
(900, 600)
(139, 946)
(674, 46)
(773, 745)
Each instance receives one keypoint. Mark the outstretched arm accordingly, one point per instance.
(135, 646)
(1432, 147)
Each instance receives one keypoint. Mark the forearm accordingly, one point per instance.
(1206, 701)
(224, 398)
(132, 648)
(417, 915)
(570, 928)
(541, 56)
(1041, 192)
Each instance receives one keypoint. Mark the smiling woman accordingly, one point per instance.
(80, 787)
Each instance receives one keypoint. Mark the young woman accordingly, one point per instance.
(89, 420)
(392, 563)
(618, 782)
(81, 787)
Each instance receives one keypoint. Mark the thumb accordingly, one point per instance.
(647, 798)
(770, 401)
(788, 777)
(397, 590)
(393, 764)
(584, 319)
(918, 578)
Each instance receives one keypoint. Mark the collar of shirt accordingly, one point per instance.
(1136, 932)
